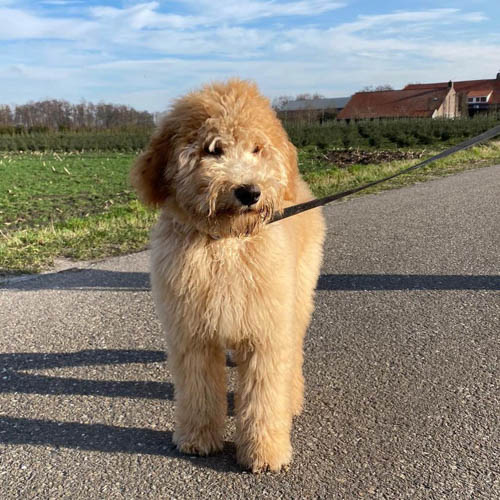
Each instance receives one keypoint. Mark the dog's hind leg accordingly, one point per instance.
(200, 394)
(263, 409)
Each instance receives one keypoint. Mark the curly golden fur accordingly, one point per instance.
(218, 167)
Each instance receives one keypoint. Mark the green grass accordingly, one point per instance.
(325, 179)
(120, 230)
(80, 206)
(37, 189)
(74, 205)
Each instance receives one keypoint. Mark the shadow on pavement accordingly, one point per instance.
(102, 280)
(82, 279)
(40, 384)
(105, 438)
(94, 437)
(43, 361)
(29, 383)
(354, 282)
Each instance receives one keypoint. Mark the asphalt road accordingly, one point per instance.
(402, 367)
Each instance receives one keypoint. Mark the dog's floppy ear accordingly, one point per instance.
(151, 173)
(292, 171)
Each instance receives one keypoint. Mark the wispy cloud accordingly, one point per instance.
(62, 2)
(250, 10)
(23, 25)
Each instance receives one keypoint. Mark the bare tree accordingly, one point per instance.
(281, 101)
(308, 97)
(58, 114)
(378, 88)
(6, 116)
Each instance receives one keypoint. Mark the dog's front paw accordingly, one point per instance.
(270, 458)
(201, 442)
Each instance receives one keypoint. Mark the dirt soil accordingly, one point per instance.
(347, 157)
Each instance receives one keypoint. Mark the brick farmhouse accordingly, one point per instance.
(424, 103)
(481, 95)
(426, 100)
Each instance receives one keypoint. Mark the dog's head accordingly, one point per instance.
(221, 159)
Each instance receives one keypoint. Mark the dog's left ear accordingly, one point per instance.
(292, 171)
(151, 173)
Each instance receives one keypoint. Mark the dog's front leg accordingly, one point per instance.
(263, 408)
(200, 395)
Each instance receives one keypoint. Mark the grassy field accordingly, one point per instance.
(41, 188)
(72, 205)
(80, 205)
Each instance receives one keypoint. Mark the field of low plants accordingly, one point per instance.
(367, 134)
(376, 134)
(71, 201)
(39, 140)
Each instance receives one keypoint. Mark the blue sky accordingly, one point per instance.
(144, 53)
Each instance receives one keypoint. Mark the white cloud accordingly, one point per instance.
(211, 13)
(143, 15)
(403, 19)
(141, 54)
(62, 2)
(18, 24)
(244, 11)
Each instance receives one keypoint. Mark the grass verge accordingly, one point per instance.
(324, 179)
(113, 224)
(121, 230)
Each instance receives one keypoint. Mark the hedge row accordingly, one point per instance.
(76, 141)
(388, 133)
(333, 134)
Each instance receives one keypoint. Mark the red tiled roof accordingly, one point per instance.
(465, 87)
(479, 93)
(394, 104)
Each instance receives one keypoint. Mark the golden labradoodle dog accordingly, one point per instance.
(218, 167)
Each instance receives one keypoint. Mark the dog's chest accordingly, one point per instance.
(220, 287)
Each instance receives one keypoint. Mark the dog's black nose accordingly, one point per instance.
(248, 195)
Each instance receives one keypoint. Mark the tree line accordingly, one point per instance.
(61, 115)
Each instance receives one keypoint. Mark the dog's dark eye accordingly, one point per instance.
(256, 150)
(216, 151)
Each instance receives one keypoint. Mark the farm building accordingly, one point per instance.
(312, 109)
(482, 95)
(408, 103)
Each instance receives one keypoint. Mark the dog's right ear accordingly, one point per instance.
(150, 175)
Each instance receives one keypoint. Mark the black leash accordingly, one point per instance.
(308, 205)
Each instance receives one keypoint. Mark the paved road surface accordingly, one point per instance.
(402, 367)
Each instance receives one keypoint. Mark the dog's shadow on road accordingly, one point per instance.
(93, 437)
(107, 439)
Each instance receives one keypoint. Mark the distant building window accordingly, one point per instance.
(470, 99)
(483, 99)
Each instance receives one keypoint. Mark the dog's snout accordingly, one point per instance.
(247, 195)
